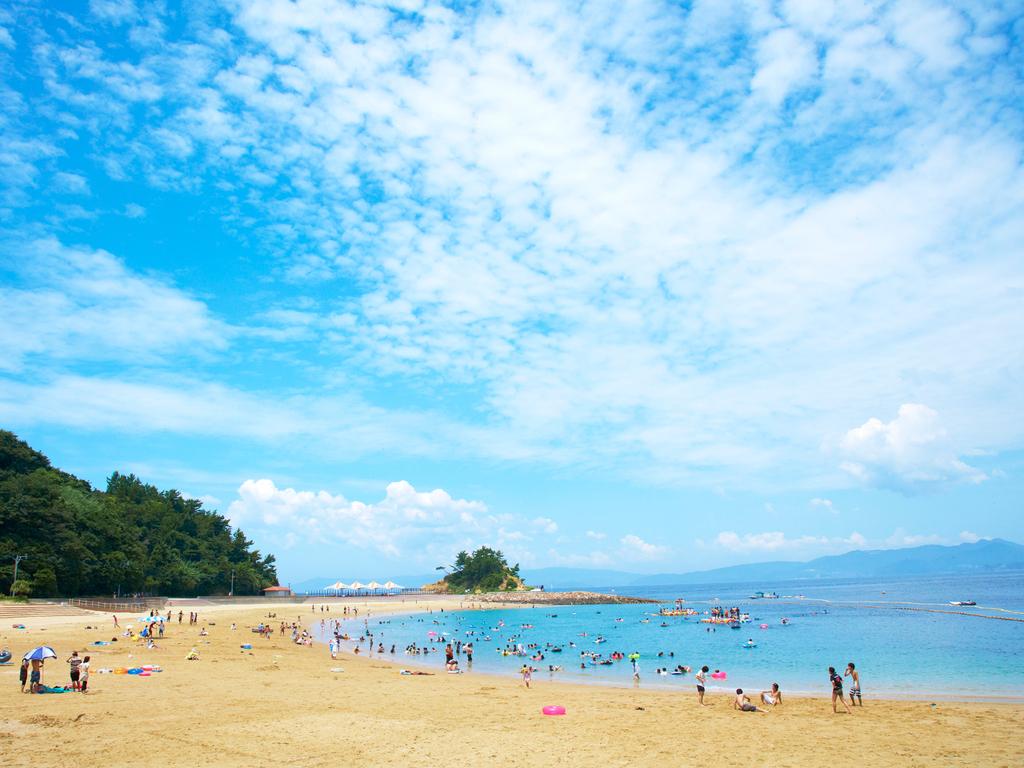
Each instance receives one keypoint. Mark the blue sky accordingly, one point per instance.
(635, 285)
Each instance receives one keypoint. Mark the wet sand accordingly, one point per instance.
(282, 704)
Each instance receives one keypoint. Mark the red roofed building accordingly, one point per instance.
(277, 592)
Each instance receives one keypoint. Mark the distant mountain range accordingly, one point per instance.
(932, 559)
(980, 556)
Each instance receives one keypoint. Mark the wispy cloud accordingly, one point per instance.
(686, 244)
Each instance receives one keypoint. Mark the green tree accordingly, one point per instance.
(131, 537)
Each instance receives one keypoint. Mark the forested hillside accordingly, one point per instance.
(131, 538)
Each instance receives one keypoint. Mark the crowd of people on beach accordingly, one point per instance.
(537, 652)
(454, 650)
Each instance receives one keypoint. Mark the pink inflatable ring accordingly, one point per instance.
(553, 710)
(718, 675)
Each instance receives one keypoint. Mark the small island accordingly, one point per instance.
(487, 575)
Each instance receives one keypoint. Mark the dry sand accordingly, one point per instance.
(282, 705)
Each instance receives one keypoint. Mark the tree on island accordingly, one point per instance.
(486, 570)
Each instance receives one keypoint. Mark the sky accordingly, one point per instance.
(634, 285)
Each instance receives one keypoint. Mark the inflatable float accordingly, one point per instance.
(554, 710)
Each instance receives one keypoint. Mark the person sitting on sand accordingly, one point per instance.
(773, 697)
(203, 632)
(742, 703)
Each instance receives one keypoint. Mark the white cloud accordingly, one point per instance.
(786, 61)
(80, 303)
(900, 538)
(635, 548)
(405, 523)
(626, 264)
(545, 524)
(969, 537)
(134, 211)
(70, 183)
(911, 451)
(825, 504)
(779, 542)
(596, 535)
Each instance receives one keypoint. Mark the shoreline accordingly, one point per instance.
(237, 707)
(651, 682)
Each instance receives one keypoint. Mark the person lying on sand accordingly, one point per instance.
(414, 672)
(742, 703)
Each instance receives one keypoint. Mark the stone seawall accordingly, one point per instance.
(558, 598)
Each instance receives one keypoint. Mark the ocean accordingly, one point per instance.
(900, 647)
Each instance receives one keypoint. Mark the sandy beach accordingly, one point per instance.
(283, 704)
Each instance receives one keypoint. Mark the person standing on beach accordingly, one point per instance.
(76, 664)
(36, 676)
(23, 674)
(527, 674)
(837, 690)
(854, 675)
(116, 625)
(84, 672)
(702, 680)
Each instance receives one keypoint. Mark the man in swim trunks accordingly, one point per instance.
(851, 671)
(742, 703)
(773, 697)
(36, 677)
(702, 679)
(837, 690)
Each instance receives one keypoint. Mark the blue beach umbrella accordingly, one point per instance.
(40, 653)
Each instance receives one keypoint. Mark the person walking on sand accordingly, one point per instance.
(702, 680)
(837, 690)
(527, 674)
(23, 674)
(854, 675)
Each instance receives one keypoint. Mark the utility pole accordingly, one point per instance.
(17, 559)
(232, 592)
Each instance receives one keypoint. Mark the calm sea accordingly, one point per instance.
(899, 652)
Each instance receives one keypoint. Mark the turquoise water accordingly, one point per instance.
(898, 652)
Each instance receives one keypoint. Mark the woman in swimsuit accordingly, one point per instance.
(837, 690)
